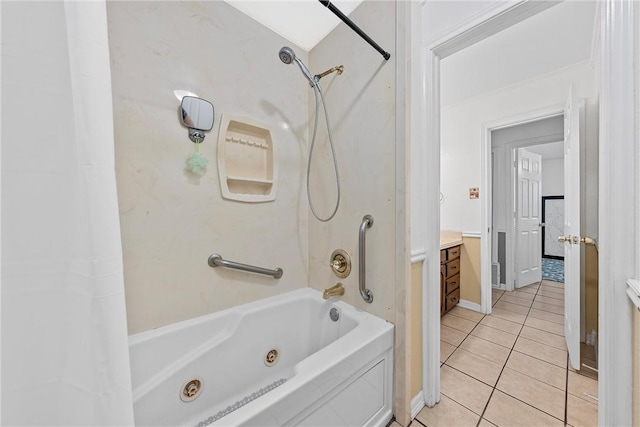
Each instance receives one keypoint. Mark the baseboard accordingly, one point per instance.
(470, 305)
(417, 403)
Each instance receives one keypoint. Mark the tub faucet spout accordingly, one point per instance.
(335, 290)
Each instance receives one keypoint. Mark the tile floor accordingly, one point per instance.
(510, 368)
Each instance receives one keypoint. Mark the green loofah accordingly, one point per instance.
(197, 163)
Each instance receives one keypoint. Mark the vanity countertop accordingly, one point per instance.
(450, 238)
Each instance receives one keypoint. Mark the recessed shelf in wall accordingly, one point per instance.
(247, 161)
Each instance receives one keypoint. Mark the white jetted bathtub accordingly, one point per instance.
(280, 361)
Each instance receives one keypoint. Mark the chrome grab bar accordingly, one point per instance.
(215, 260)
(366, 294)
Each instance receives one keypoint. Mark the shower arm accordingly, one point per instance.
(344, 18)
(339, 69)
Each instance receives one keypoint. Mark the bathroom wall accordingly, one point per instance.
(552, 177)
(172, 220)
(636, 367)
(367, 106)
(362, 112)
(470, 269)
(462, 139)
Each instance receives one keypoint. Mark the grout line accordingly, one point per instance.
(566, 394)
(503, 367)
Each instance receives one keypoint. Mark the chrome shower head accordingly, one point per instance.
(287, 55)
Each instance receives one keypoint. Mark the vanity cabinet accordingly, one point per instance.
(449, 278)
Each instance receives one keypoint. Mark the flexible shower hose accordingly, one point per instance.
(316, 90)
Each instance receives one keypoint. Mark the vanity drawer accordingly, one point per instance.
(452, 284)
(452, 299)
(453, 253)
(453, 267)
(443, 255)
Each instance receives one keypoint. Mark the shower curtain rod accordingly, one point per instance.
(355, 28)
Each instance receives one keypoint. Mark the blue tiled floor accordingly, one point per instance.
(553, 269)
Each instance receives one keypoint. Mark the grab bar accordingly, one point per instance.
(366, 294)
(215, 260)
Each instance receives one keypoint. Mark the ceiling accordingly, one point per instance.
(554, 150)
(302, 22)
(555, 38)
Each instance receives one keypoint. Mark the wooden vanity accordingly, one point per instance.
(450, 249)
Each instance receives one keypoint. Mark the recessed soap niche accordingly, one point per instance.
(247, 161)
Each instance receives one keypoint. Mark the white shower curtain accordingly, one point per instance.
(65, 358)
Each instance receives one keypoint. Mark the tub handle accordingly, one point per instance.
(215, 260)
(366, 294)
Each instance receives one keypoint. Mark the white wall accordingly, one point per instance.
(171, 220)
(462, 139)
(362, 107)
(553, 177)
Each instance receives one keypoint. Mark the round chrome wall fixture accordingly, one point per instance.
(272, 356)
(340, 263)
(191, 390)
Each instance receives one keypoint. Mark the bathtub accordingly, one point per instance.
(279, 361)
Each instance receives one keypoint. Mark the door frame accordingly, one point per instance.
(495, 19)
(487, 202)
(619, 249)
(544, 229)
(618, 215)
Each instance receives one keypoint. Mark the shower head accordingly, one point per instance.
(287, 55)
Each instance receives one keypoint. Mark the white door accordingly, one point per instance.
(528, 217)
(573, 117)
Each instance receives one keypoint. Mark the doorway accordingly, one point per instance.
(541, 135)
(476, 158)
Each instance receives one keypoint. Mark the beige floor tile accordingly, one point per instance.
(552, 291)
(452, 336)
(546, 326)
(541, 351)
(580, 384)
(515, 300)
(523, 295)
(508, 315)
(447, 413)
(553, 284)
(536, 393)
(458, 323)
(580, 412)
(538, 369)
(553, 288)
(521, 309)
(494, 335)
(467, 391)
(556, 309)
(501, 324)
(504, 410)
(485, 423)
(483, 348)
(394, 424)
(551, 294)
(471, 315)
(544, 337)
(446, 350)
(476, 366)
(545, 315)
(547, 300)
(531, 289)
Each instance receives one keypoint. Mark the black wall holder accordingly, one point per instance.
(344, 18)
